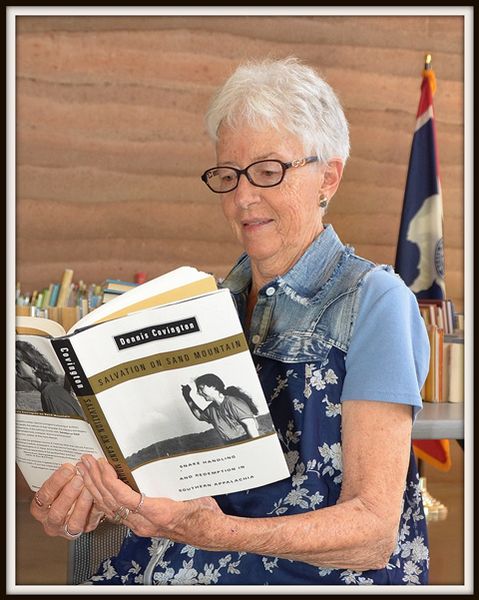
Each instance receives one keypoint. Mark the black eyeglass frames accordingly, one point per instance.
(262, 173)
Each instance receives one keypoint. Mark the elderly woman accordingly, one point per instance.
(342, 354)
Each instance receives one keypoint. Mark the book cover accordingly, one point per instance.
(136, 380)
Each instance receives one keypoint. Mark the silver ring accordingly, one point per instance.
(140, 503)
(38, 502)
(72, 536)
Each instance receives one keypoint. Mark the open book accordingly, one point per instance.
(159, 381)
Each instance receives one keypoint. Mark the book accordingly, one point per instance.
(143, 373)
(444, 381)
(441, 311)
(114, 287)
(432, 390)
(110, 295)
(453, 382)
(118, 285)
(65, 288)
(54, 294)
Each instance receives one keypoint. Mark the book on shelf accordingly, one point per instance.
(432, 390)
(111, 288)
(438, 312)
(118, 285)
(159, 381)
(108, 295)
(65, 288)
(445, 378)
(453, 376)
(54, 294)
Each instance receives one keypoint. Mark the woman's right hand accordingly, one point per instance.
(64, 506)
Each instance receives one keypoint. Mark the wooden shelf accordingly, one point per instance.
(440, 420)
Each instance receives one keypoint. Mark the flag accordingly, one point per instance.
(420, 250)
(435, 452)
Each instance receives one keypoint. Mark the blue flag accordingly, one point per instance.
(420, 250)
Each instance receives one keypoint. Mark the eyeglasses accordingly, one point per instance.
(262, 173)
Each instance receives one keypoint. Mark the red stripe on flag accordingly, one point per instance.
(425, 100)
(428, 87)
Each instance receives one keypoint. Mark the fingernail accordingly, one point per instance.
(67, 471)
(77, 482)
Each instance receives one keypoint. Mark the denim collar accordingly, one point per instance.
(307, 276)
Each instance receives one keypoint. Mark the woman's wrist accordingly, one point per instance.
(200, 523)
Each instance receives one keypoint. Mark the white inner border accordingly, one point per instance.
(467, 13)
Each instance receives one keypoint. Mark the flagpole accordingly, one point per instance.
(420, 462)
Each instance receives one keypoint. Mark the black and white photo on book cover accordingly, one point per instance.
(173, 395)
(171, 423)
(40, 381)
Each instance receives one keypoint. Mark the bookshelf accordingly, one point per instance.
(67, 301)
(445, 330)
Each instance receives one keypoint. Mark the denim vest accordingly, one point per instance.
(299, 336)
(300, 316)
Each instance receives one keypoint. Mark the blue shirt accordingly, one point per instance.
(389, 344)
(334, 328)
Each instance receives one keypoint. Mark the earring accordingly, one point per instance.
(323, 201)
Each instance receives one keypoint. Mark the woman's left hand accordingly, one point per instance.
(190, 521)
(64, 506)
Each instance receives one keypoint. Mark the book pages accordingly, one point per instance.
(45, 442)
(184, 282)
(38, 326)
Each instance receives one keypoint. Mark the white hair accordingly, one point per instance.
(283, 93)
